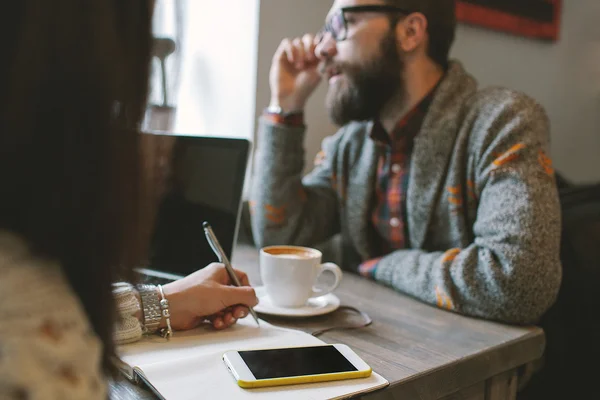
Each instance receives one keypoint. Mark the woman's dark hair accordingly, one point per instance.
(73, 86)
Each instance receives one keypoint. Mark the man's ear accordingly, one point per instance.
(412, 32)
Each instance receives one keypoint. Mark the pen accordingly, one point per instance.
(220, 253)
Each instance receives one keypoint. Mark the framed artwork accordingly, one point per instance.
(530, 18)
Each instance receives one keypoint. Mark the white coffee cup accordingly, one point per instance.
(289, 274)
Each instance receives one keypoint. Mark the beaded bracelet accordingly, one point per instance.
(164, 306)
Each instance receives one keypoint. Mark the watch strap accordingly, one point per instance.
(150, 299)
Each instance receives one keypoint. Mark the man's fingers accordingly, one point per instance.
(283, 52)
(300, 54)
(309, 43)
(290, 51)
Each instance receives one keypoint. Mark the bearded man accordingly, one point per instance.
(433, 186)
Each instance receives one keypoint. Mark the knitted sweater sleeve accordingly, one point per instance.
(129, 327)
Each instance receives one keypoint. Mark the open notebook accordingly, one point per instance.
(190, 365)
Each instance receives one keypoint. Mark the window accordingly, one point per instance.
(211, 77)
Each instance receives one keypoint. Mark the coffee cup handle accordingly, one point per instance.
(337, 272)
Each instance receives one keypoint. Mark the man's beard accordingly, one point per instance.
(364, 90)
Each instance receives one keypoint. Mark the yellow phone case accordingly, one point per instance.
(295, 380)
(304, 379)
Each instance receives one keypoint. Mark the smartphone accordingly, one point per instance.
(293, 365)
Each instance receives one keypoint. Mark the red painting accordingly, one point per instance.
(531, 18)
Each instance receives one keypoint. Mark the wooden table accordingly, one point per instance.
(425, 353)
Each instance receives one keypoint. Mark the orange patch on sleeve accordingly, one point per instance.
(510, 155)
(442, 300)
(455, 201)
(546, 163)
(454, 198)
(439, 297)
(449, 304)
(275, 214)
(455, 190)
(277, 219)
(450, 255)
(275, 210)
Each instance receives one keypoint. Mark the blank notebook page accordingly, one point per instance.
(190, 365)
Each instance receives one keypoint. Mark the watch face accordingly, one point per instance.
(275, 110)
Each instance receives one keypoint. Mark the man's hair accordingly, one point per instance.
(441, 19)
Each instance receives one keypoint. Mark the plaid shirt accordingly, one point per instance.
(389, 212)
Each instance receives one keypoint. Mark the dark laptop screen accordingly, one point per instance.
(205, 184)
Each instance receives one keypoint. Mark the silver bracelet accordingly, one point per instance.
(164, 306)
(151, 307)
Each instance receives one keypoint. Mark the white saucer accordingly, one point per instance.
(315, 306)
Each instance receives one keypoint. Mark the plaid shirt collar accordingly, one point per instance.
(407, 127)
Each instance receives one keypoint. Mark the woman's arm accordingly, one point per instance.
(204, 295)
(129, 327)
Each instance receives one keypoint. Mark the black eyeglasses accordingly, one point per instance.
(337, 24)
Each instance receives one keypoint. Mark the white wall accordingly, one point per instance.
(563, 76)
(290, 18)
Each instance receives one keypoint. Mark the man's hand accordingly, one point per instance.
(208, 294)
(294, 73)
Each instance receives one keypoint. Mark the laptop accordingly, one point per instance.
(205, 183)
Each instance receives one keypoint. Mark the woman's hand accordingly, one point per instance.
(208, 295)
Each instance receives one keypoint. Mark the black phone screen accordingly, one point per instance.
(283, 363)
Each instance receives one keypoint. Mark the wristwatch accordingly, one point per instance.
(275, 110)
(279, 116)
(151, 307)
